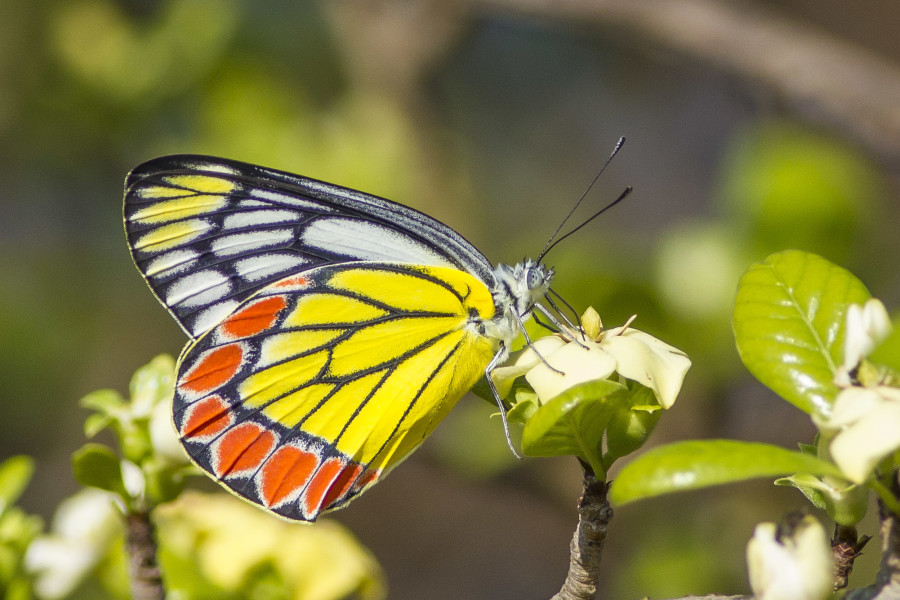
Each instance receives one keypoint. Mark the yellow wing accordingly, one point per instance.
(314, 388)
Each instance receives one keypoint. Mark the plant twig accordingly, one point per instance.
(140, 543)
(887, 581)
(846, 546)
(594, 516)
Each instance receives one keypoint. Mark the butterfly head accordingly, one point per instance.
(518, 289)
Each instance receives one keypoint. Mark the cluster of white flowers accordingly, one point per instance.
(864, 425)
(555, 363)
(82, 532)
(862, 430)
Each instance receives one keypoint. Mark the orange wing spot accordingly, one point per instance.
(213, 369)
(342, 483)
(319, 486)
(254, 318)
(296, 281)
(365, 479)
(285, 473)
(206, 418)
(241, 449)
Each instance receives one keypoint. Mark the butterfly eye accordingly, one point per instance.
(534, 278)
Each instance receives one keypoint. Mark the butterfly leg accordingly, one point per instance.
(502, 354)
(562, 328)
(531, 344)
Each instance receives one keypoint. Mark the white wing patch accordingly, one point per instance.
(364, 240)
(174, 262)
(259, 267)
(197, 289)
(254, 218)
(241, 243)
(212, 316)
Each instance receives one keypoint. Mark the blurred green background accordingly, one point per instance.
(494, 123)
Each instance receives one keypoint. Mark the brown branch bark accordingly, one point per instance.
(140, 543)
(594, 516)
(814, 75)
(887, 581)
(846, 547)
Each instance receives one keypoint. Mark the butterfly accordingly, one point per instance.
(330, 330)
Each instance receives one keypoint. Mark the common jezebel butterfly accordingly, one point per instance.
(330, 330)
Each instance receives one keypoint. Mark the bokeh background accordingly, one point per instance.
(492, 116)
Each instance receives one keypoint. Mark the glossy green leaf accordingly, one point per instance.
(523, 409)
(96, 465)
(573, 423)
(789, 325)
(630, 427)
(697, 464)
(845, 504)
(15, 473)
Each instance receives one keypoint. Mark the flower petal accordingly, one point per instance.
(860, 447)
(867, 326)
(522, 361)
(797, 567)
(850, 406)
(577, 363)
(648, 361)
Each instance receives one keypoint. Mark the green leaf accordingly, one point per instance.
(103, 401)
(846, 504)
(789, 325)
(15, 473)
(483, 390)
(628, 430)
(96, 465)
(163, 482)
(809, 485)
(523, 410)
(96, 423)
(573, 423)
(697, 464)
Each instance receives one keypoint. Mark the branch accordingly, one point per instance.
(887, 581)
(818, 77)
(594, 515)
(146, 580)
(846, 547)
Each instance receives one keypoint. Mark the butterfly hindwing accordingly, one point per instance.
(317, 385)
(208, 233)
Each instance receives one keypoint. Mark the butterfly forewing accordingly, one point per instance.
(316, 386)
(208, 233)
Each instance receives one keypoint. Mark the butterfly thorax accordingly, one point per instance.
(517, 290)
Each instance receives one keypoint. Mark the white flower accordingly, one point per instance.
(633, 354)
(867, 425)
(132, 478)
(84, 526)
(867, 326)
(792, 567)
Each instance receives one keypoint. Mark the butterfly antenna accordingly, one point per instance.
(615, 151)
(621, 197)
(567, 305)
